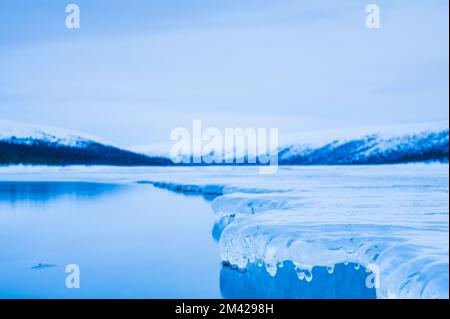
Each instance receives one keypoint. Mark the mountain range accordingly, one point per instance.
(38, 145)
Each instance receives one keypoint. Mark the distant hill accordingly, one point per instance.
(371, 149)
(36, 145)
(386, 145)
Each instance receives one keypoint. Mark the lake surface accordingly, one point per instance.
(133, 240)
(128, 240)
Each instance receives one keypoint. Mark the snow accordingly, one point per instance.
(393, 219)
(363, 145)
(27, 133)
(367, 146)
(321, 137)
(159, 149)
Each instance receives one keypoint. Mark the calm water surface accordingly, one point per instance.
(128, 240)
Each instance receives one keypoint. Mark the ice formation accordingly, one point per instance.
(392, 220)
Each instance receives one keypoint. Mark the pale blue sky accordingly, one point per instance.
(137, 69)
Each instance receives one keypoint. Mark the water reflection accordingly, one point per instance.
(45, 191)
(255, 282)
(220, 223)
(129, 240)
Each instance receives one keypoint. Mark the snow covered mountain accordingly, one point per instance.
(28, 134)
(396, 144)
(31, 144)
(375, 148)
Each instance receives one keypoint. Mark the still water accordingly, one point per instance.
(133, 241)
(129, 240)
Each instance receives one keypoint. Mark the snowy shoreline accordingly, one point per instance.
(394, 217)
(409, 248)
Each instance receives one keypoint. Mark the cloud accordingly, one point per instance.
(287, 62)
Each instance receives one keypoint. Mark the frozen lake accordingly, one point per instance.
(305, 232)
